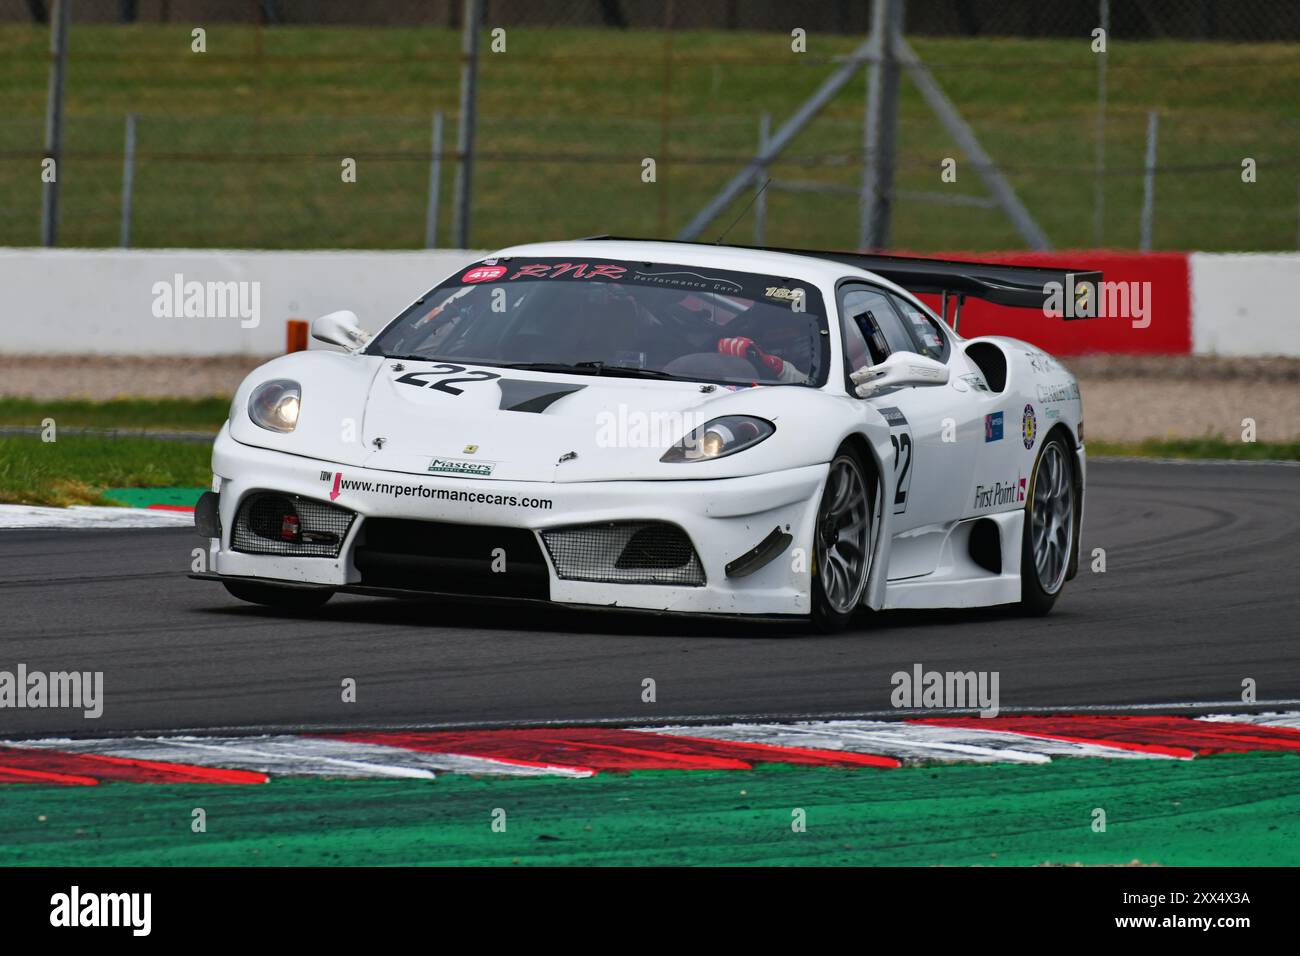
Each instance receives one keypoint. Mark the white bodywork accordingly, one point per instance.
(551, 469)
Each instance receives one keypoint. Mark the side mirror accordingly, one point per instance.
(900, 370)
(342, 329)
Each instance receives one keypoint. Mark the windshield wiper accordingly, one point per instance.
(591, 368)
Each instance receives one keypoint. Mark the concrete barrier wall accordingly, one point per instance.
(131, 302)
(78, 302)
(1245, 304)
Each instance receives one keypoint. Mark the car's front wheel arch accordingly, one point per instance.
(845, 535)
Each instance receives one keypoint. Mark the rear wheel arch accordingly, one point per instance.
(1062, 430)
(1036, 599)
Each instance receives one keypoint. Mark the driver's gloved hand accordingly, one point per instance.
(746, 348)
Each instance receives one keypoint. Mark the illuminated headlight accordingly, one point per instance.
(719, 438)
(274, 405)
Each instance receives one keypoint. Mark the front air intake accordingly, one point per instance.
(269, 522)
(633, 552)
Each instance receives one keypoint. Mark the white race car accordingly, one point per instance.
(667, 427)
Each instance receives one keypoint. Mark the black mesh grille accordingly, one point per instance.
(640, 552)
(274, 523)
(451, 558)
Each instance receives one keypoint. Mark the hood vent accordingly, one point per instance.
(526, 395)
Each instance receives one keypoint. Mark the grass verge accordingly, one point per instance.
(191, 414)
(1190, 448)
(74, 469)
(1231, 810)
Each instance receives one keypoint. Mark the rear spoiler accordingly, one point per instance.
(1019, 287)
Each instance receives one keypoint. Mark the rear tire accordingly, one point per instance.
(284, 598)
(1048, 539)
(842, 542)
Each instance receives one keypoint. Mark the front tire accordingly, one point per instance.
(284, 598)
(841, 543)
(1048, 539)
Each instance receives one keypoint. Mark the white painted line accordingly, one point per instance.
(91, 516)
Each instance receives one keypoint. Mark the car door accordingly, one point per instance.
(935, 435)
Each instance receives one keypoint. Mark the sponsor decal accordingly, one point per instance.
(446, 494)
(1064, 392)
(1029, 426)
(973, 381)
(461, 466)
(776, 292)
(470, 449)
(993, 427)
(484, 273)
(894, 416)
(999, 493)
(745, 288)
(1041, 362)
(573, 270)
(690, 280)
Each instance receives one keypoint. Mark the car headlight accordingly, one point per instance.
(719, 438)
(274, 405)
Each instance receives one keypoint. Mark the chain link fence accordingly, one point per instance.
(310, 123)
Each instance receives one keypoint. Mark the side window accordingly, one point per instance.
(872, 327)
(930, 339)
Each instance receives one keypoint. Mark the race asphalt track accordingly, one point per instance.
(1200, 591)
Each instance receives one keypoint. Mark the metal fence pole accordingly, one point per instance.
(465, 132)
(435, 183)
(881, 125)
(964, 137)
(54, 120)
(1149, 183)
(778, 141)
(128, 179)
(1099, 187)
(760, 197)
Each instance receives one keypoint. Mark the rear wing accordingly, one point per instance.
(1019, 287)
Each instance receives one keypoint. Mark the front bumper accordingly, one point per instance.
(725, 519)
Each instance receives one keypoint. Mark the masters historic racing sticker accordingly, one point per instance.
(1029, 426)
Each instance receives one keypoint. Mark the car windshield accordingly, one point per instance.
(634, 319)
